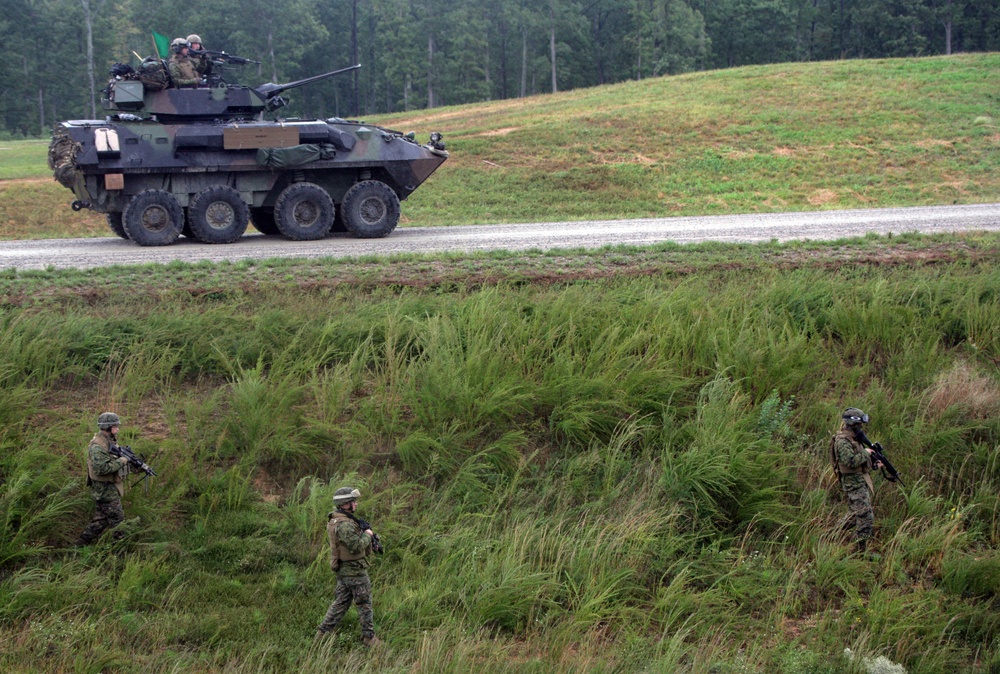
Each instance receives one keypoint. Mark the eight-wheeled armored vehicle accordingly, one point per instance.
(203, 162)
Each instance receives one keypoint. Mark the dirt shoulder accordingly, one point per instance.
(454, 274)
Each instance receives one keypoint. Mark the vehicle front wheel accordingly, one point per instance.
(153, 218)
(370, 210)
(304, 212)
(218, 215)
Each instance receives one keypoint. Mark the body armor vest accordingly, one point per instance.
(338, 551)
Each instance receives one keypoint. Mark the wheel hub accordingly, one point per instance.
(372, 210)
(155, 219)
(306, 213)
(220, 215)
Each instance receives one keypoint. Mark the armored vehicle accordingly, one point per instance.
(203, 162)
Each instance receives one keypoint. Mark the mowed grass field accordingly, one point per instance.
(847, 134)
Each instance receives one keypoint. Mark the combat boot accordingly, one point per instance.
(371, 641)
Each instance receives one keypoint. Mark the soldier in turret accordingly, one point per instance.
(182, 67)
(202, 62)
(106, 479)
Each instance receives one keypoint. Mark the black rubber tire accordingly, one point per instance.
(153, 218)
(370, 210)
(218, 215)
(304, 212)
(115, 223)
(263, 221)
(338, 221)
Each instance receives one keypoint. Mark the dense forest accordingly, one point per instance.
(427, 53)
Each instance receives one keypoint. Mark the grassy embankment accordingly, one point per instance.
(772, 138)
(594, 465)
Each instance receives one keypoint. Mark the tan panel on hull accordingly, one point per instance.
(251, 138)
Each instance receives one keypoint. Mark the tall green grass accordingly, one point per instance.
(617, 475)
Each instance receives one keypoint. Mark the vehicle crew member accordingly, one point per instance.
(350, 549)
(853, 464)
(106, 479)
(182, 67)
(202, 62)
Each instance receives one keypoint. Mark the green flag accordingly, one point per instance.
(162, 45)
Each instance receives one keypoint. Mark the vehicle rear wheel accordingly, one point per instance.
(115, 223)
(370, 210)
(153, 218)
(218, 215)
(263, 221)
(304, 212)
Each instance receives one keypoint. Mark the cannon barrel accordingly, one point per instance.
(270, 90)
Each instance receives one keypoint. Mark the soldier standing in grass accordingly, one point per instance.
(106, 479)
(350, 548)
(853, 464)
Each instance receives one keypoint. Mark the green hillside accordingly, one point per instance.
(612, 461)
(804, 136)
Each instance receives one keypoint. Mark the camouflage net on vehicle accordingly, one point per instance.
(296, 155)
(62, 157)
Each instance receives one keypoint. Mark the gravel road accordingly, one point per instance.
(825, 225)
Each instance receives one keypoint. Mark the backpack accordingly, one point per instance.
(153, 74)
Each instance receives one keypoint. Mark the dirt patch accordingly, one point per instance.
(820, 197)
(500, 132)
(14, 182)
(930, 142)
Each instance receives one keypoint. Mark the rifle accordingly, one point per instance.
(377, 546)
(138, 462)
(889, 472)
(222, 56)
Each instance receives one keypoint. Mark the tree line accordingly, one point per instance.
(426, 53)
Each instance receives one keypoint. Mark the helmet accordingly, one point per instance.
(853, 416)
(194, 38)
(107, 420)
(178, 43)
(345, 495)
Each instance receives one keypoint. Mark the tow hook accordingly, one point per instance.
(80, 205)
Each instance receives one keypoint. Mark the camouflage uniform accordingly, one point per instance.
(349, 551)
(203, 65)
(853, 466)
(106, 478)
(202, 62)
(183, 70)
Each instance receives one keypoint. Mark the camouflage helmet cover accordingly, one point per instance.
(108, 419)
(345, 495)
(178, 43)
(194, 38)
(853, 416)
